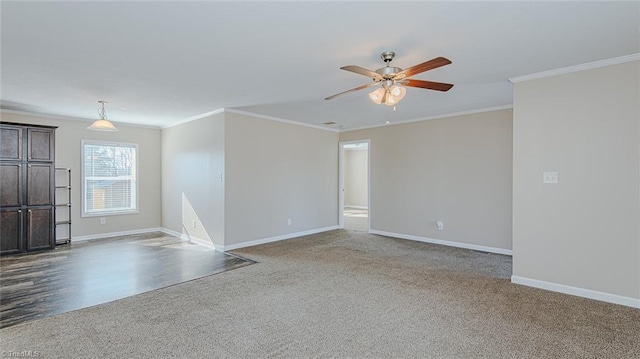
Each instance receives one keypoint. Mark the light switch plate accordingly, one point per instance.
(549, 177)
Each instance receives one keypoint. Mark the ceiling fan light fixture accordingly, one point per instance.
(396, 93)
(377, 96)
(102, 124)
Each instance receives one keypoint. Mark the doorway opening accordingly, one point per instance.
(355, 206)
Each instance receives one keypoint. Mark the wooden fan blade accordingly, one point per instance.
(425, 66)
(438, 86)
(352, 90)
(362, 71)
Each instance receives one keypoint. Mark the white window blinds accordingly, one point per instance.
(109, 178)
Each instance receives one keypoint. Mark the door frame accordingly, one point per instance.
(341, 181)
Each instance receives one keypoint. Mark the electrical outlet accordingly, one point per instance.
(440, 226)
(288, 221)
(103, 220)
(549, 177)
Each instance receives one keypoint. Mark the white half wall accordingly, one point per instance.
(582, 232)
(68, 139)
(457, 170)
(193, 179)
(276, 171)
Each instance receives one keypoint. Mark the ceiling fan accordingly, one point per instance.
(394, 79)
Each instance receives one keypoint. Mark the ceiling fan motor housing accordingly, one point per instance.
(388, 72)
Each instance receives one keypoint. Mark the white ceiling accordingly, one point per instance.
(159, 63)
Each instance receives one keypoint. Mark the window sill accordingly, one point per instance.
(106, 214)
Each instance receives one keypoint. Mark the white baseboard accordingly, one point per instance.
(274, 239)
(356, 207)
(186, 237)
(170, 232)
(182, 236)
(116, 234)
(200, 241)
(474, 247)
(580, 292)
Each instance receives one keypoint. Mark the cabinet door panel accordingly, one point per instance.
(40, 145)
(11, 230)
(10, 143)
(40, 233)
(10, 185)
(40, 184)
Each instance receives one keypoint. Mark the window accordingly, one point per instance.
(109, 178)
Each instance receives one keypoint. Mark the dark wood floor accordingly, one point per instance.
(84, 274)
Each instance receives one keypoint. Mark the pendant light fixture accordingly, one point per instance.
(102, 124)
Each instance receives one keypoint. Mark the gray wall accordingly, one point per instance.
(355, 178)
(68, 154)
(583, 231)
(275, 171)
(192, 165)
(457, 170)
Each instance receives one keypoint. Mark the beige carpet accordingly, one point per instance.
(343, 294)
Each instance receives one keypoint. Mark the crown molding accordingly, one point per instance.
(452, 114)
(576, 68)
(272, 118)
(257, 115)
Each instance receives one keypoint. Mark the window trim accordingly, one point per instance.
(83, 212)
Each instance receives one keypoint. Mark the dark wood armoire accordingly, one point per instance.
(27, 187)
